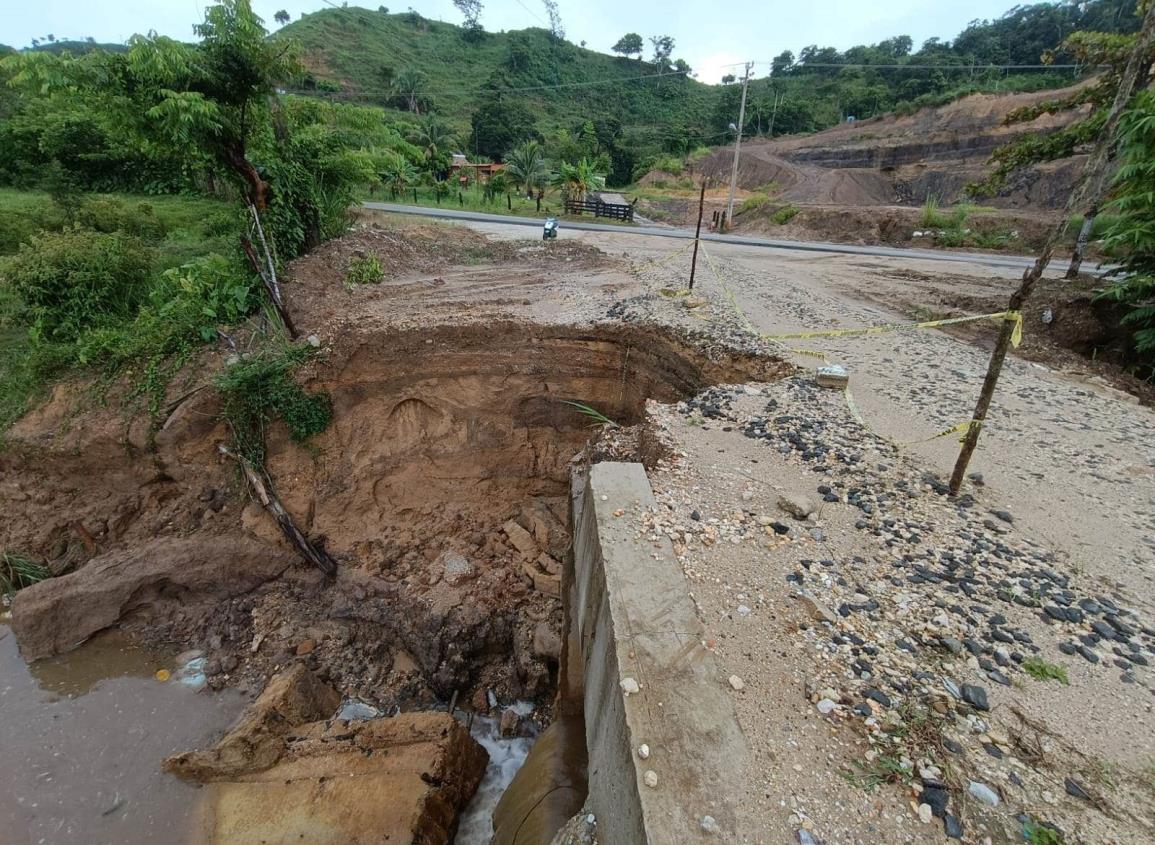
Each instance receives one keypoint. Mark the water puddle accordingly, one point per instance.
(506, 756)
(82, 737)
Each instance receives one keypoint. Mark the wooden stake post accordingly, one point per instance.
(697, 234)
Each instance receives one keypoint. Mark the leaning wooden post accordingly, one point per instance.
(1092, 185)
(697, 234)
(1081, 242)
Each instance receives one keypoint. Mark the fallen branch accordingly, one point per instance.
(261, 487)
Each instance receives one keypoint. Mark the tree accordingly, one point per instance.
(555, 26)
(408, 85)
(396, 173)
(281, 17)
(1130, 236)
(577, 180)
(436, 140)
(663, 49)
(499, 125)
(781, 63)
(527, 166)
(471, 11)
(630, 44)
(729, 79)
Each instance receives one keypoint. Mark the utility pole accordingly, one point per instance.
(738, 146)
(774, 114)
(697, 233)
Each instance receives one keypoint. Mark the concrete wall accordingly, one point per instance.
(630, 616)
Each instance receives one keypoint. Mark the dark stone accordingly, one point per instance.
(993, 750)
(878, 696)
(779, 528)
(864, 710)
(937, 799)
(1068, 648)
(696, 516)
(952, 826)
(975, 696)
(999, 678)
(1088, 655)
(952, 746)
(1076, 789)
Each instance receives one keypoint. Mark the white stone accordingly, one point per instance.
(629, 686)
(925, 814)
(737, 683)
(651, 778)
(644, 751)
(826, 706)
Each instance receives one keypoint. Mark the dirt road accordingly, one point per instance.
(1071, 460)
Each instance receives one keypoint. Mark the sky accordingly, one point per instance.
(714, 38)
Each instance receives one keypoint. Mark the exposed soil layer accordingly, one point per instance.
(439, 488)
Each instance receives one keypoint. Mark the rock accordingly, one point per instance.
(975, 696)
(817, 610)
(737, 683)
(510, 722)
(982, 792)
(455, 567)
(1004, 515)
(952, 827)
(826, 706)
(952, 645)
(629, 686)
(546, 642)
(937, 798)
(55, 615)
(1076, 789)
(521, 540)
(878, 696)
(644, 751)
(256, 741)
(306, 647)
(543, 582)
(709, 824)
(797, 505)
(925, 814)
(401, 779)
(650, 778)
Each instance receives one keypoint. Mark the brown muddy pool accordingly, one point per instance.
(82, 736)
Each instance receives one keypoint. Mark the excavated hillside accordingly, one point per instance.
(891, 160)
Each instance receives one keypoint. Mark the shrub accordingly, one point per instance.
(1041, 670)
(110, 214)
(260, 389)
(754, 202)
(785, 214)
(365, 270)
(18, 572)
(76, 280)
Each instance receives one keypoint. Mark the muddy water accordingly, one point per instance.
(81, 740)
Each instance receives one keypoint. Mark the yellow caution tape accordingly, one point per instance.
(960, 429)
(657, 262)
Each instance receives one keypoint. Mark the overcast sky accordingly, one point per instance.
(711, 36)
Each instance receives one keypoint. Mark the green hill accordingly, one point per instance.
(358, 55)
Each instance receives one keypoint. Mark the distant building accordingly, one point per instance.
(461, 168)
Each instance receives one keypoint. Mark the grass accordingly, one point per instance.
(472, 198)
(1041, 670)
(754, 202)
(18, 572)
(1038, 833)
(365, 270)
(870, 775)
(597, 418)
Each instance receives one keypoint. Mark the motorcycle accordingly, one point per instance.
(549, 231)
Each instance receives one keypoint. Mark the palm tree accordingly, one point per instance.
(527, 166)
(577, 180)
(397, 173)
(434, 137)
(408, 84)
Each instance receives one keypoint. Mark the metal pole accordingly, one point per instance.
(738, 146)
(697, 233)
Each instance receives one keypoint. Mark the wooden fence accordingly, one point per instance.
(600, 209)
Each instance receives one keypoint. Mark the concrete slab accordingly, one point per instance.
(634, 619)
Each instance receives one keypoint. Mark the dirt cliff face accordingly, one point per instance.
(903, 160)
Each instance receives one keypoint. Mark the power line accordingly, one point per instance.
(804, 65)
(531, 11)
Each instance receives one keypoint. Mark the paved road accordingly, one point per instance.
(743, 240)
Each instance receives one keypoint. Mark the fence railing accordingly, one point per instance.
(600, 209)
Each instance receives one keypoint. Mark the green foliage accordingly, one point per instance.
(1129, 235)
(754, 202)
(260, 389)
(630, 44)
(934, 218)
(577, 180)
(527, 166)
(1038, 833)
(785, 214)
(499, 125)
(596, 417)
(871, 775)
(365, 270)
(77, 280)
(1041, 670)
(18, 572)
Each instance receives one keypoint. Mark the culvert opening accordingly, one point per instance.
(442, 487)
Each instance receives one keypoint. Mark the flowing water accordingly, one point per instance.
(505, 758)
(82, 737)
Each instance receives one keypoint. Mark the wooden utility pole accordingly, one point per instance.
(697, 233)
(738, 145)
(1090, 189)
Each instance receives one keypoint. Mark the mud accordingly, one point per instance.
(83, 736)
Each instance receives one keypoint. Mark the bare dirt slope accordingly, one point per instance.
(898, 160)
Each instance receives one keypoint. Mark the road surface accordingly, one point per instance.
(1011, 261)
